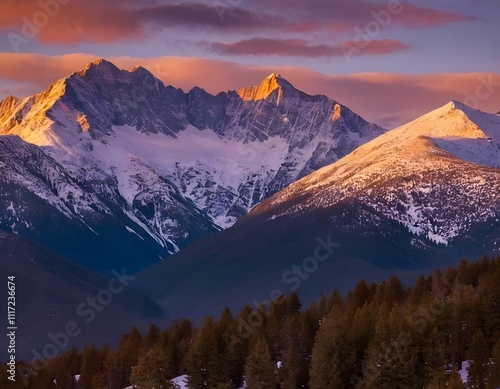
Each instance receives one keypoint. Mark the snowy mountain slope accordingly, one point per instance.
(84, 215)
(165, 165)
(436, 175)
(400, 203)
(263, 141)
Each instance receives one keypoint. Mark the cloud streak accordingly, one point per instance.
(259, 46)
(358, 12)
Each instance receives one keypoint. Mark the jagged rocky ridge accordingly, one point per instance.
(108, 156)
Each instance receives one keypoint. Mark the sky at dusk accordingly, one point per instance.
(388, 60)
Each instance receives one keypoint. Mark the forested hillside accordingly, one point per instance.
(385, 335)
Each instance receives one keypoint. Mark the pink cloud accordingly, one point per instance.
(415, 16)
(110, 21)
(302, 48)
(358, 12)
(71, 22)
(387, 99)
(99, 21)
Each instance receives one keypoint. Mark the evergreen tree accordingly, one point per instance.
(322, 307)
(479, 356)
(291, 371)
(272, 331)
(280, 308)
(66, 367)
(484, 266)
(335, 300)
(394, 293)
(393, 358)
(418, 292)
(202, 362)
(450, 278)
(92, 364)
(439, 289)
(99, 381)
(432, 346)
(293, 304)
(494, 368)
(116, 371)
(260, 370)
(230, 353)
(294, 357)
(178, 340)
(359, 296)
(333, 357)
(490, 300)
(359, 331)
(151, 339)
(130, 346)
(360, 344)
(310, 325)
(151, 372)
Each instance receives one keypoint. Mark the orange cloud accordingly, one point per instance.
(387, 99)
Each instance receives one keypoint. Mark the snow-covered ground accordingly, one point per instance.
(464, 371)
(181, 382)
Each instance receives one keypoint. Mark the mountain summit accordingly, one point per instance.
(273, 85)
(440, 172)
(105, 145)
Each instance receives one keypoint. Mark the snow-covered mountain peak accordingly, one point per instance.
(273, 87)
(10, 100)
(427, 174)
(488, 123)
(138, 68)
(273, 76)
(28, 117)
(99, 65)
(471, 135)
(462, 131)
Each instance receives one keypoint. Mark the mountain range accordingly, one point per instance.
(108, 155)
(231, 199)
(418, 197)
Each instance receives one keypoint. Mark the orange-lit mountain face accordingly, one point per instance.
(262, 91)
